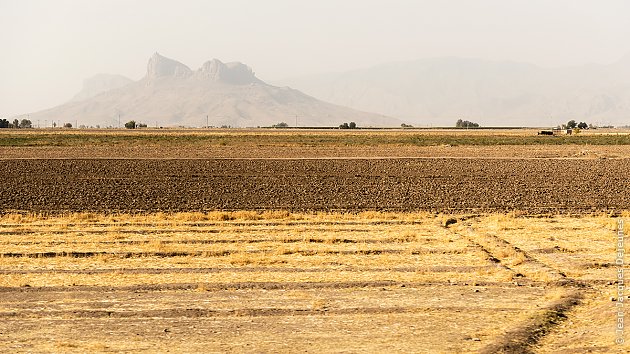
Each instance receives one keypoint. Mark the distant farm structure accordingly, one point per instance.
(556, 131)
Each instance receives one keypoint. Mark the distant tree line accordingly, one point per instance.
(572, 124)
(24, 123)
(465, 124)
(351, 125)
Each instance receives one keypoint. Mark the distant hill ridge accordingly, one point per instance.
(441, 90)
(172, 94)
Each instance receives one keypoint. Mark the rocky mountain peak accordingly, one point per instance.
(232, 73)
(160, 66)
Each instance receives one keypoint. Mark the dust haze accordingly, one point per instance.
(50, 48)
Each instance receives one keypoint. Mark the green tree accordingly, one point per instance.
(353, 125)
(280, 125)
(130, 124)
(16, 123)
(4, 123)
(344, 126)
(25, 123)
(67, 125)
(465, 124)
(571, 124)
(582, 125)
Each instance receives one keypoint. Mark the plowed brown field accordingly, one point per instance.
(431, 184)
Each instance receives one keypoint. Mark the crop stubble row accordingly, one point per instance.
(433, 184)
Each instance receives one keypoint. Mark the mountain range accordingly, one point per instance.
(439, 91)
(217, 94)
(435, 91)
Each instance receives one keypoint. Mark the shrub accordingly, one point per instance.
(465, 124)
(352, 125)
(25, 123)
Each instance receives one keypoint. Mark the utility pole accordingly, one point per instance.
(207, 124)
(296, 120)
(118, 120)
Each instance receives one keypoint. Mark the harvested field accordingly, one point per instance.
(278, 281)
(427, 184)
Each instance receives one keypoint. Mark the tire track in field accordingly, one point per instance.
(526, 335)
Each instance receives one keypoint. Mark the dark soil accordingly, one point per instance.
(442, 185)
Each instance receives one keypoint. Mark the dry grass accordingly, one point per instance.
(403, 271)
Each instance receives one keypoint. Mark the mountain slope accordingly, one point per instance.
(441, 90)
(100, 83)
(171, 94)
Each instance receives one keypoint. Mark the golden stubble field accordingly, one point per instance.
(287, 282)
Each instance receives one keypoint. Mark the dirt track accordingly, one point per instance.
(444, 185)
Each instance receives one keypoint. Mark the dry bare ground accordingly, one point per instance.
(323, 244)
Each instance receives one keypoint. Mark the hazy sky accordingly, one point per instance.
(49, 47)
